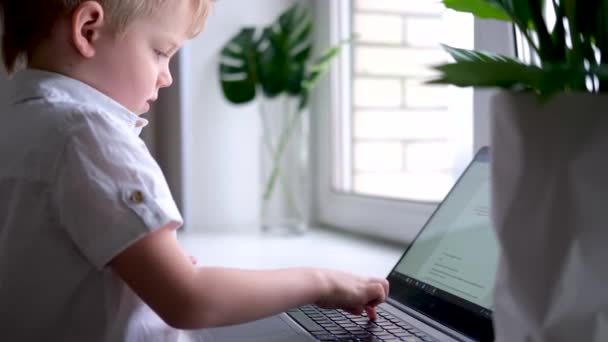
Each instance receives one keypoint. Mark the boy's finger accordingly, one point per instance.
(384, 284)
(355, 312)
(371, 312)
(193, 260)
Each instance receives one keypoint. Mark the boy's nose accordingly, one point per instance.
(165, 79)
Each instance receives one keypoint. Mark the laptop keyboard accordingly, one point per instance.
(338, 325)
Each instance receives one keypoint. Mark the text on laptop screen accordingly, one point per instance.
(457, 251)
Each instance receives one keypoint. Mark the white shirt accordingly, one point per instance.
(77, 187)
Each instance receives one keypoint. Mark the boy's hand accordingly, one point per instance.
(352, 293)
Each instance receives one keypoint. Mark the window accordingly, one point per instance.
(391, 146)
(403, 133)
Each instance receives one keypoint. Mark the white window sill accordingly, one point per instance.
(317, 248)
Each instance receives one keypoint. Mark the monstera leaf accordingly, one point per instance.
(274, 58)
(286, 46)
(239, 67)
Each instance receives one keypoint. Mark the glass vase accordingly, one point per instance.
(285, 174)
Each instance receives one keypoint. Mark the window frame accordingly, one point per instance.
(383, 218)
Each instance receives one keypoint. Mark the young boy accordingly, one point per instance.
(87, 223)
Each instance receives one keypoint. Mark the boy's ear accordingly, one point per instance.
(87, 24)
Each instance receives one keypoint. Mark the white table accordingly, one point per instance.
(318, 247)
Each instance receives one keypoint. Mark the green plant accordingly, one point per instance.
(571, 51)
(272, 61)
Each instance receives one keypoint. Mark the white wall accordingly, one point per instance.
(222, 150)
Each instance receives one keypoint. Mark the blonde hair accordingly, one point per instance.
(25, 23)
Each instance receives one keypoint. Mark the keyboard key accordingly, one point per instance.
(411, 339)
(370, 339)
(341, 320)
(361, 320)
(337, 331)
(404, 324)
(359, 333)
(306, 322)
(383, 335)
(343, 336)
(329, 325)
(374, 329)
(386, 324)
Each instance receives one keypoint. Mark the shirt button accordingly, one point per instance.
(137, 197)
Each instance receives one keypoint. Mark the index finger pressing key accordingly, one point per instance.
(371, 312)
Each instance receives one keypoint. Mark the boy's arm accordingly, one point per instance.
(188, 297)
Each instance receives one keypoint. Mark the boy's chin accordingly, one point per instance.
(145, 108)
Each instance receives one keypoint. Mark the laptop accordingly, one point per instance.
(441, 288)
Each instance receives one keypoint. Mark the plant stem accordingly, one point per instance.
(283, 140)
(276, 155)
(544, 39)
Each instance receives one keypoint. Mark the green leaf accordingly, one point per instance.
(238, 67)
(320, 67)
(472, 55)
(600, 71)
(317, 70)
(558, 35)
(273, 62)
(567, 52)
(287, 46)
(479, 8)
(603, 26)
(562, 77)
(488, 73)
(511, 74)
(519, 11)
(277, 62)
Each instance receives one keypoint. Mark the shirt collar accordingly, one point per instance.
(34, 83)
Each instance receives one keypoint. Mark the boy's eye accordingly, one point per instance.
(161, 54)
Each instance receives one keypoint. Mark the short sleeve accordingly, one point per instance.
(109, 191)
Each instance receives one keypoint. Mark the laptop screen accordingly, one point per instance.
(448, 271)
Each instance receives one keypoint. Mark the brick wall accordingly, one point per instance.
(402, 136)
